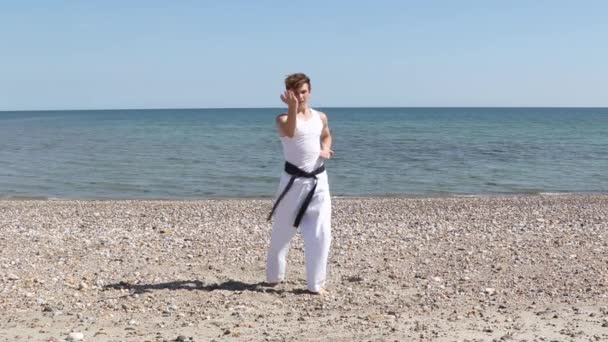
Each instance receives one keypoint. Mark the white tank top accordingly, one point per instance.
(302, 150)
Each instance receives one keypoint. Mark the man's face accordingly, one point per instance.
(302, 94)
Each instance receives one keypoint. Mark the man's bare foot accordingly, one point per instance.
(321, 292)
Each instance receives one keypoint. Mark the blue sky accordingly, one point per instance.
(201, 54)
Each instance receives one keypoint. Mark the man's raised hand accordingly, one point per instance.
(290, 99)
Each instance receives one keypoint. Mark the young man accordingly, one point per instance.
(303, 199)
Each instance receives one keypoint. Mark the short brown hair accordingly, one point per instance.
(295, 81)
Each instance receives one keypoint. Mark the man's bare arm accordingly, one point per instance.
(326, 140)
(287, 123)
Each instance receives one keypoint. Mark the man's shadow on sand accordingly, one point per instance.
(191, 285)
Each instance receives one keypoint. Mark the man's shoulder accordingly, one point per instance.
(282, 118)
(322, 115)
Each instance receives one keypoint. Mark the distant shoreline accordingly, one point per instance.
(338, 197)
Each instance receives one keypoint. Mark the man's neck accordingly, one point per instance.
(304, 111)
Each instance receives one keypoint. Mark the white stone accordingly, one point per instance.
(75, 336)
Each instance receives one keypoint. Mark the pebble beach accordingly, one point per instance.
(495, 268)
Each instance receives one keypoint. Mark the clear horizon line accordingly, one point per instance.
(264, 107)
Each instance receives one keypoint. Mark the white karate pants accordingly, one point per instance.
(315, 228)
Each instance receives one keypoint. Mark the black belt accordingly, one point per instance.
(295, 172)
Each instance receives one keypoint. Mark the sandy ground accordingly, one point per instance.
(401, 269)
